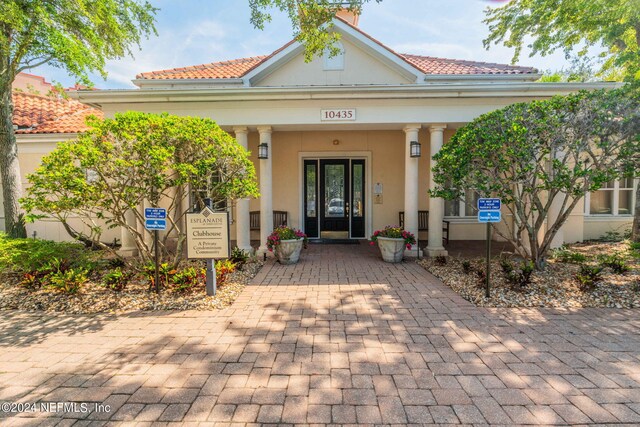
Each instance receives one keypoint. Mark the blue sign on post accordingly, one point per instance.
(489, 216)
(489, 204)
(155, 224)
(155, 213)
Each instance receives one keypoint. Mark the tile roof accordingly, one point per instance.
(49, 114)
(237, 68)
(234, 68)
(433, 65)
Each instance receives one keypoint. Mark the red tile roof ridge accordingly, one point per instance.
(470, 62)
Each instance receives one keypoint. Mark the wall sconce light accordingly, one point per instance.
(336, 141)
(415, 149)
(263, 151)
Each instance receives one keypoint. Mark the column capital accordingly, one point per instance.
(412, 127)
(264, 129)
(437, 127)
(240, 129)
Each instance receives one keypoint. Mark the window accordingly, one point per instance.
(199, 197)
(466, 207)
(614, 198)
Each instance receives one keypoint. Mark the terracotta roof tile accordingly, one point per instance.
(433, 65)
(237, 68)
(216, 70)
(49, 114)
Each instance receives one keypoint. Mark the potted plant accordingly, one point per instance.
(286, 243)
(392, 242)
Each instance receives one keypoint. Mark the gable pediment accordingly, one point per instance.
(363, 62)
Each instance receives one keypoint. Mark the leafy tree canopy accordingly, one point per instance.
(78, 35)
(569, 25)
(542, 156)
(138, 159)
(310, 19)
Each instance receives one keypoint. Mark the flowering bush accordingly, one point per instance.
(394, 233)
(284, 233)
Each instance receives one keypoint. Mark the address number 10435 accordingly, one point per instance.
(338, 114)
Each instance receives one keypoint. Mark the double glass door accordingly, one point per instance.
(334, 198)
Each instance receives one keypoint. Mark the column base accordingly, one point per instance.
(434, 252)
(248, 249)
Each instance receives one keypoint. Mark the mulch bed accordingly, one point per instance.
(95, 298)
(556, 286)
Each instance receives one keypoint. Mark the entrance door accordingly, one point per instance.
(334, 198)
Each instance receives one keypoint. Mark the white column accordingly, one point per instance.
(436, 204)
(411, 196)
(552, 216)
(243, 233)
(266, 202)
(127, 242)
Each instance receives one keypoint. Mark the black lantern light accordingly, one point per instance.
(415, 149)
(263, 151)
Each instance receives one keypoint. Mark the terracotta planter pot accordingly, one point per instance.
(288, 251)
(392, 250)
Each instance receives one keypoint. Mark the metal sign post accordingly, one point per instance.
(155, 219)
(489, 212)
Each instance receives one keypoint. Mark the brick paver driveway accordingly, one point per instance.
(339, 338)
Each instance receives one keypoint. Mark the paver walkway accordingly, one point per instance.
(339, 338)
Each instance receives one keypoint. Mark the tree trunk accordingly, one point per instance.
(9, 167)
(635, 231)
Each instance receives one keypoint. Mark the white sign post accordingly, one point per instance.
(489, 212)
(208, 238)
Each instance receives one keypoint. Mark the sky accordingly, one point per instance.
(194, 32)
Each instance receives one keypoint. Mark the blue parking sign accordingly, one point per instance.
(489, 216)
(155, 224)
(155, 213)
(489, 204)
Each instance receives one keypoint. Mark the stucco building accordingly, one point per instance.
(338, 131)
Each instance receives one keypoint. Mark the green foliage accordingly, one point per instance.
(239, 257)
(520, 276)
(571, 25)
(507, 265)
(634, 249)
(531, 155)
(466, 266)
(136, 158)
(614, 236)
(615, 262)
(223, 269)
(165, 272)
(563, 254)
(29, 255)
(187, 278)
(588, 276)
(311, 21)
(70, 280)
(116, 279)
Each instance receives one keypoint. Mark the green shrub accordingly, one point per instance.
(634, 248)
(165, 273)
(563, 254)
(239, 257)
(466, 266)
(29, 255)
(69, 281)
(116, 279)
(187, 278)
(507, 266)
(223, 269)
(588, 276)
(615, 262)
(521, 276)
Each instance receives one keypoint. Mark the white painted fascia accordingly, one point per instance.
(175, 83)
(272, 64)
(41, 143)
(441, 78)
(98, 98)
(379, 52)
